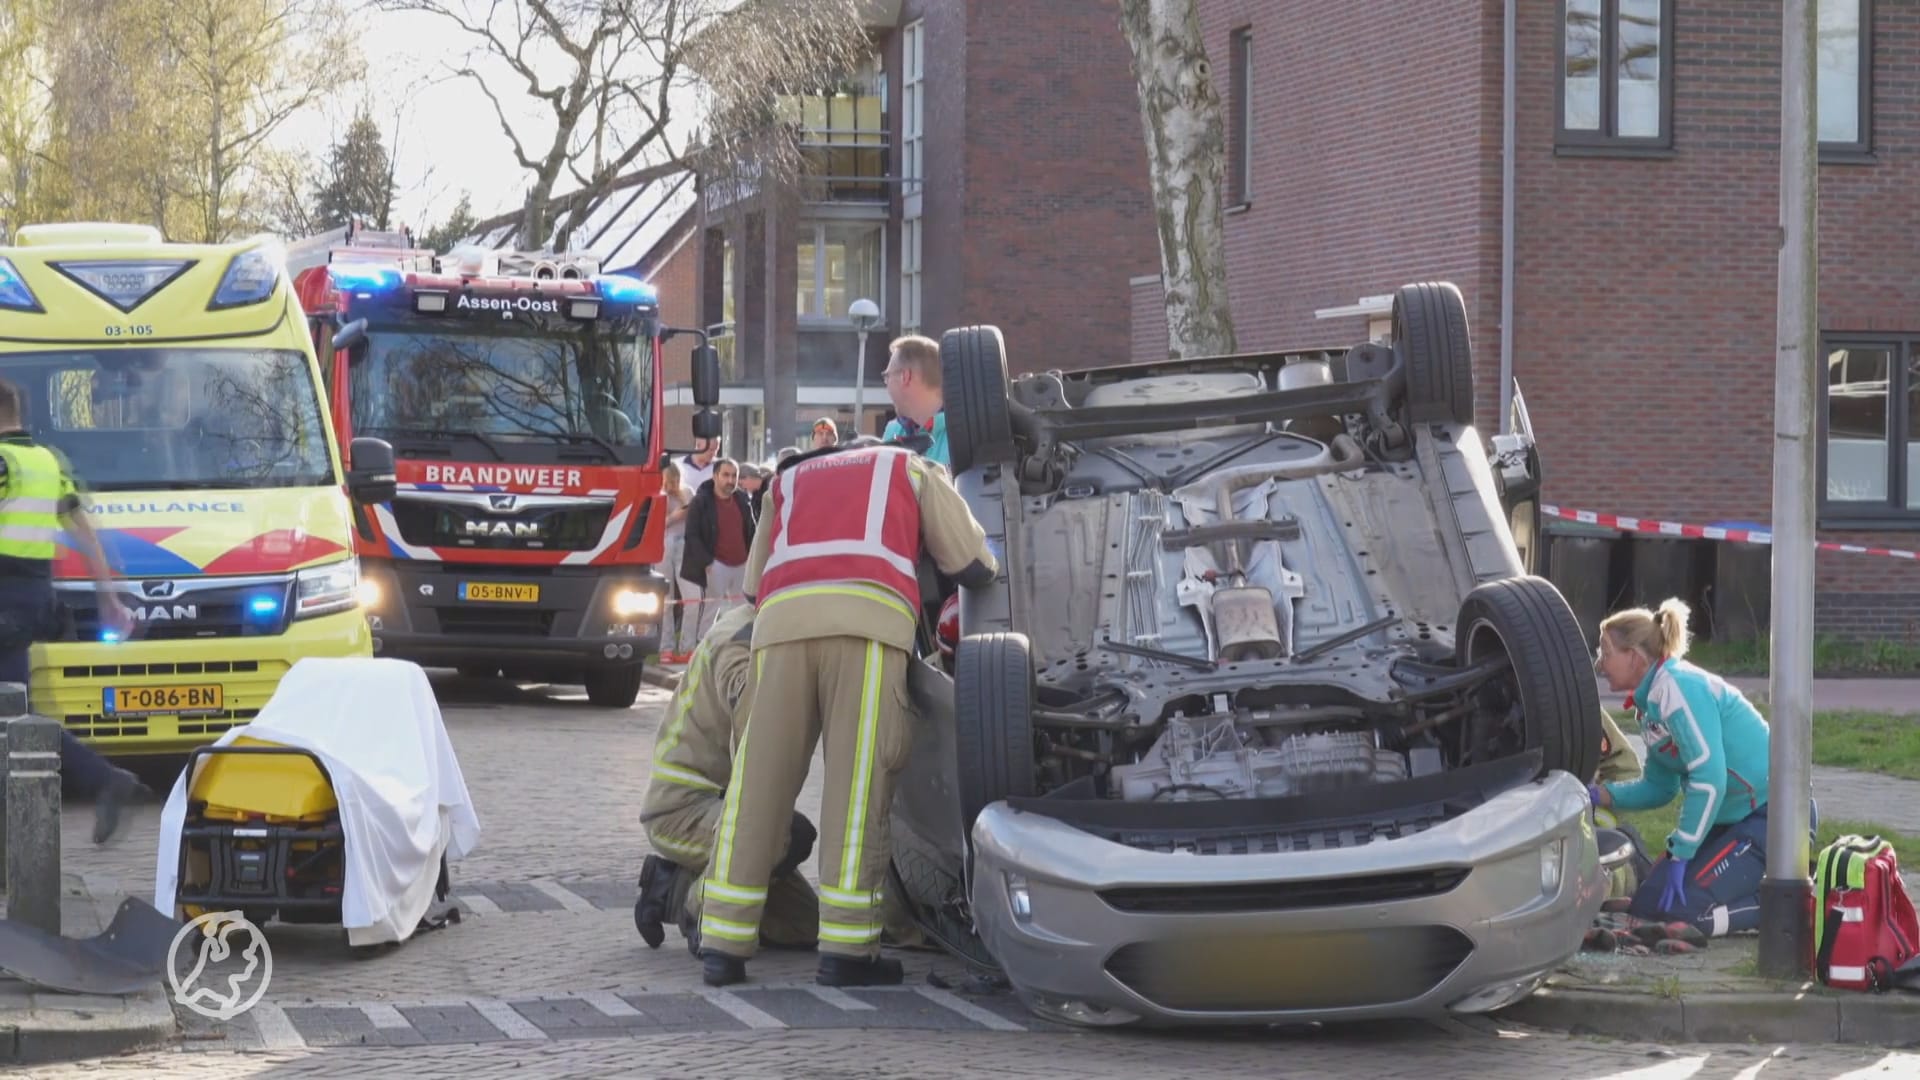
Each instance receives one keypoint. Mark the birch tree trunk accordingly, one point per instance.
(1186, 155)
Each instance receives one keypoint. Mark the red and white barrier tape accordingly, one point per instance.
(1706, 532)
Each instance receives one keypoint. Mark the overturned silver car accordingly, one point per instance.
(1265, 719)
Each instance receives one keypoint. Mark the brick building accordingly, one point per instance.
(1368, 151)
(987, 165)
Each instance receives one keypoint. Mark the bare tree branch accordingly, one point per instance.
(623, 71)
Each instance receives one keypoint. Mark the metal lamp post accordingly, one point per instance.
(865, 315)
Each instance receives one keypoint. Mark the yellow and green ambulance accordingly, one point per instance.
(179, 382)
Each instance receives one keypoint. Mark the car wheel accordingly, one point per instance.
(973, 380)
(1547, 700)
(613, 687)
(993, 720)
(1430, 335)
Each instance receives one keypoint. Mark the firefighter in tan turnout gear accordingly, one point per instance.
(834, 574)
(692, 762)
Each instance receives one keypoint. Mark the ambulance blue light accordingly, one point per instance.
(109, 636)
(364, 278)
(264, 605)
(14, 294)
(621, 289)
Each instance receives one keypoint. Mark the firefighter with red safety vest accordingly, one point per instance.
(834, 575)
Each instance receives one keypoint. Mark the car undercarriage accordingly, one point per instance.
(1257, 605)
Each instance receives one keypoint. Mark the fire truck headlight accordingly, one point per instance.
(583, 309)
(629, 602)
(250, 278)
(430, 301)
(327, 589)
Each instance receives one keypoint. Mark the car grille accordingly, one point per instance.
(1283, 895)
(495, 621)
(190, 667)
(200, 613)
(97, 726)
(552, 528)
(1271, 841)
(1312, 969)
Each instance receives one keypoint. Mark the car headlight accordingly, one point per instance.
(1019, 898)
(630, 602)
(326, 589)
(1552, 862)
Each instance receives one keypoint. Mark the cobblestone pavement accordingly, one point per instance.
(544, 974)
(1379, 1052)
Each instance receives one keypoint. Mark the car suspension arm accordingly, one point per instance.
(1435, 681)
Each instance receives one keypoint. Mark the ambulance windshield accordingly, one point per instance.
(176, 419)
(525, 379)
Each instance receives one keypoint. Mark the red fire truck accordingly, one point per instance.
(521, 397)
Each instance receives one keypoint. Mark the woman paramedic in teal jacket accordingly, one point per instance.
(1705, 743)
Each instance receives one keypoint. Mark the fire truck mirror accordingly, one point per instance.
(350, 335)
(370, 477)
(706, 377)
(706, 424)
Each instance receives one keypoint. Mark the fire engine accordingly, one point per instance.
(521, 396)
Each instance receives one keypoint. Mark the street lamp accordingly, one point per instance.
(865, 315)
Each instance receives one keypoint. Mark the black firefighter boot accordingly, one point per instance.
(848, 971)
(650, 910)
(719, 969)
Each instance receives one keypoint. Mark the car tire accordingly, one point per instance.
(973, 381)
(1552, 675)
(993, 693)
(1430, 335)
(613, 687)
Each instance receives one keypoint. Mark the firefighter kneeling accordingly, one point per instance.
(692, 760)
(834, 574)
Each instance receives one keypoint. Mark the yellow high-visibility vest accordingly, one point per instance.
(30, 495)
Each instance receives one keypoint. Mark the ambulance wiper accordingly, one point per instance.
(441, 433)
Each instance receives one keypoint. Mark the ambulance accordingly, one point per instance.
(181, 385)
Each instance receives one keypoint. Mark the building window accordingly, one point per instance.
(910, 274)
(912, 168)
(1870, 445)
(1844, 87)
(726, 281)
(912, 112)
(838, 262)
(1616, 73)
(1240, 141)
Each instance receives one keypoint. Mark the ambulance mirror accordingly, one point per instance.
(370, 479)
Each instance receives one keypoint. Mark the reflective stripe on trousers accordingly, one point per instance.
(851, 693)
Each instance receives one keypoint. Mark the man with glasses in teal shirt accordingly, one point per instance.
(912, 378)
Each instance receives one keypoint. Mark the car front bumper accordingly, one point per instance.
(1461, 917)
(418, 613)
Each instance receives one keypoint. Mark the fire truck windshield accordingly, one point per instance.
(157, 419)
(537, 380)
